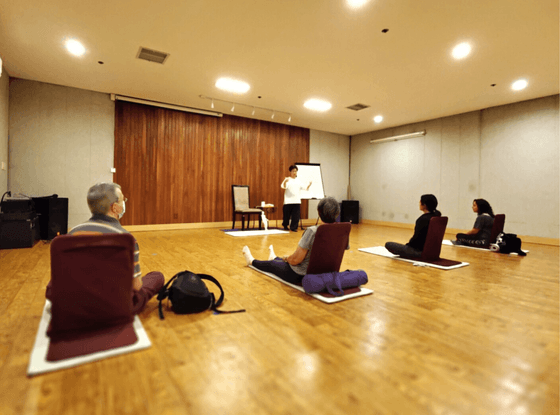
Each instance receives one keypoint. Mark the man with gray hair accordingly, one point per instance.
(292, 268)
(107, 205)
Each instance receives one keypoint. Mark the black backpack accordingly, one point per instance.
(508, 243)
(188, 294)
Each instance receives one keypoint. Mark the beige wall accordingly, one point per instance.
(61, 141)
(332, 151)
(4, 99)
(508, 155)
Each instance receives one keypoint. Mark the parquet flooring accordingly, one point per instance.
(482, 339)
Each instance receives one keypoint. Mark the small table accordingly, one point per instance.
(267, 210)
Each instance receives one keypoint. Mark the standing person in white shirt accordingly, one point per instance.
(292, 199)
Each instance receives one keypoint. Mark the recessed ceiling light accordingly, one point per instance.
(461, 50)
(355, 4)
(378, 118)
(75, 47)
(317, 105)
(232, 85)
(519, 85)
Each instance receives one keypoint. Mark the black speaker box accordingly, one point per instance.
(53, 216)
(18, 233)
(350, 211)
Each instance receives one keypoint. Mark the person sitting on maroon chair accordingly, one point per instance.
(107, 205)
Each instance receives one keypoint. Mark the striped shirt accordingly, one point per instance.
(99, 224)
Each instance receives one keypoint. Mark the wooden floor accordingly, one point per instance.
(482, 339)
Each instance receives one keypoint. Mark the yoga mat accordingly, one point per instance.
(324, 297)
(382, 251)
(449, 243)
(256, 233)
(38, 363)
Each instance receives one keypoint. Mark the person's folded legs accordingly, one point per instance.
(152, 282)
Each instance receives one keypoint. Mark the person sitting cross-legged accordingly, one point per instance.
(107, 205)
(292, 268)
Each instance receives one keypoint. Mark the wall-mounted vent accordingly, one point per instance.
(357, 107)
(152, 55)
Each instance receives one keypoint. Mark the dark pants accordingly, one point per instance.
(471, 240)
(151, 284)
(279, 268)
(403, 250)
(292, 212)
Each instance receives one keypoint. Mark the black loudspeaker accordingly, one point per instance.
(350, 211)
(53, 216)
(18, 233)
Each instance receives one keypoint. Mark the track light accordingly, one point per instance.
(242, 105)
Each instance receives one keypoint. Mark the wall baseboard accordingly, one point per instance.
(309, 222)
(452, 231)
(200, 225)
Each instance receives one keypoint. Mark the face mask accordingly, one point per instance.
(123, 210)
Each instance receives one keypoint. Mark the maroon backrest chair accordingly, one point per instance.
(497, 227)
(91, 296)
(436, 232)
(331, 240)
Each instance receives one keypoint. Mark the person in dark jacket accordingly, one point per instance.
(414, 247)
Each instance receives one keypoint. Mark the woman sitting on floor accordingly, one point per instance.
(414, 247)
(294, 267)
(479, 235)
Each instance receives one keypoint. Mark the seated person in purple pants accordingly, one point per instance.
(294, 267)
(479, 235)
(107, 205)
(414, 247)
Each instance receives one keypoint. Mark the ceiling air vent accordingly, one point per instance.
(152, 55)
(357, 107)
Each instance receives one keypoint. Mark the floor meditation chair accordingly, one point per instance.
(497, 228)
(331, 240)
(90, 314)
(432, 248)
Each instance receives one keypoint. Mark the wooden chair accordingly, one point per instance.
(91, 294)
(434, 238)
(331, 240)
(497, 228)
(241, 206)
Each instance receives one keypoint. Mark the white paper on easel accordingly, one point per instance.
(311, 172)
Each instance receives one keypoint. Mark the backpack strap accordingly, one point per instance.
(164, 293)
(216, 304)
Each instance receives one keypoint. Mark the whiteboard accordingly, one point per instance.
(311, 172)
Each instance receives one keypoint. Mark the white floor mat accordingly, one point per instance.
(38, 363)
(256, 233)
(448, 242)
(382, 251)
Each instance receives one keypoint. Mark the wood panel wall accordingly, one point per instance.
(178, 167)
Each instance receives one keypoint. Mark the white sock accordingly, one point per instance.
(272, 255)
(247, 254)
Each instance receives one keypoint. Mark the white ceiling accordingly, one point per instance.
(293, 50)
